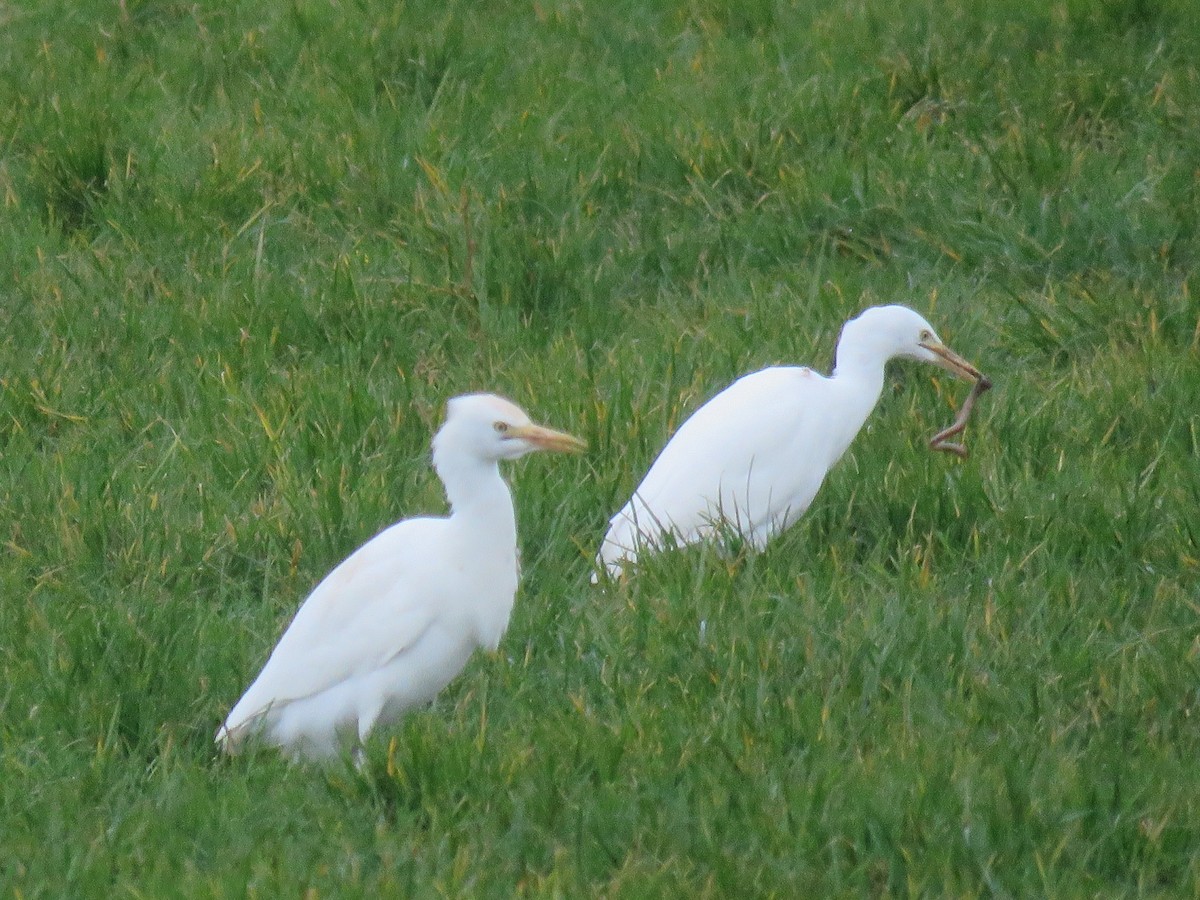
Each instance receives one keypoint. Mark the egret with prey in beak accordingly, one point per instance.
(753, 457)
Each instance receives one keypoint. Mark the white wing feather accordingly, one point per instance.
(362, 614)
(753, 458)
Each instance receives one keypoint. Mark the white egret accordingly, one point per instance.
(753, 457)
(398, 619)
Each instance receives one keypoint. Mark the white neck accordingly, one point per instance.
(858, 374)
(860, 364)
(478, 495)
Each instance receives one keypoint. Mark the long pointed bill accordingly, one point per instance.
(549, 439)
(952, 362)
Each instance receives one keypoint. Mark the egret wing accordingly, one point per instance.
(734, 458)
(373, 606)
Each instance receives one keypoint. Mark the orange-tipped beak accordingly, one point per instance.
(549, 439)
(952, 362)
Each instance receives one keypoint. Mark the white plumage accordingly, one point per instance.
(754, 456)
(395, 622)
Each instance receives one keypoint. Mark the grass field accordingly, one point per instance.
(248, 251)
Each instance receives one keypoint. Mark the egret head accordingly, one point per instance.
(891, 331)
(493, 429)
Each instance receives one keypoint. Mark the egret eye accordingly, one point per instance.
(926, 334)
(501, 427)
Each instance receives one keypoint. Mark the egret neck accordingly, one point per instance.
(483, 525)
(857, 379)
(479, 498)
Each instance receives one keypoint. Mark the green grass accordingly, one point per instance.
(247, 252)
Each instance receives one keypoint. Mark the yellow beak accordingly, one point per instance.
(951, 361)
(548, 439)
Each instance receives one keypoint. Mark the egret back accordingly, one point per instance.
(752, 459)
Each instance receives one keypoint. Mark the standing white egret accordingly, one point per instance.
(395, 622)
(753, 457)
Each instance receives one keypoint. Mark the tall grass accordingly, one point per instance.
(248, 251)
